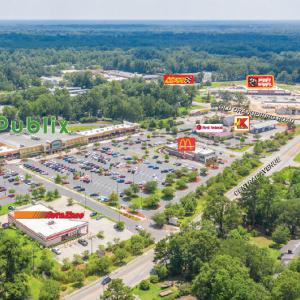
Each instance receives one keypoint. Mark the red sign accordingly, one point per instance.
(242, 123)
(186, 144)
(179, 79)
(260, 81)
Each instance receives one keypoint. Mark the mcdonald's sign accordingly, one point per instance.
(186, 144)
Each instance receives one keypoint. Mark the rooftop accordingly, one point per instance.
(199, 149)
(106, 129)
(259, 125)
(45, 228)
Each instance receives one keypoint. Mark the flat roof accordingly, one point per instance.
(17, 140)
(106, 129)
(45, 227)
(199, 149)
(260, 125)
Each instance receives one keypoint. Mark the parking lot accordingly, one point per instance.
(99, 170)
(96, 224)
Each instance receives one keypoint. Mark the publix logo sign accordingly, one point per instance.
(34, 126)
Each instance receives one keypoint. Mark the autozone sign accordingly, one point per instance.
(186, 144)
(260, 81)
(207, 128)
(179, 79)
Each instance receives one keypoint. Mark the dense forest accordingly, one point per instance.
(130, 100)
(229, 50)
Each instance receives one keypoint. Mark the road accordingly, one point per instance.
(131, 274)
(140, 268)
(286, 155)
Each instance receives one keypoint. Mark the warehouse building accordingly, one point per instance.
(201, 154)
(49, 232)
(260, 127)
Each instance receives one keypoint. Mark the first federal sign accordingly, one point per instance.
(207, 128)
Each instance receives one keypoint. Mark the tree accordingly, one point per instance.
(203, 171)
(56, 194)
(181, 184)
(189, 203)
(225, 277)
(117, 291)
(168, 193)
(100, 235)
(287, 286)
(135, 188)
(120, 225)
(151, 202)
(98, 265)
(45, 265)
(159, 219)
(113, 199)
(120, 255)
(161, 271)
(281, 234)
(150, 187)
(15, 289)
(144, 285)
(223, 213)
(70, 202)
(58, 179)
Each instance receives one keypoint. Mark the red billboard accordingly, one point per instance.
(260, 81)
(179, 79)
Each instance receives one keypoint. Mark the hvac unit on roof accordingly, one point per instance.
(51, 222)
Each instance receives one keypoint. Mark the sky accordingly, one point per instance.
(149, 9)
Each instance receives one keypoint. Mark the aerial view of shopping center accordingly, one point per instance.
(147, 158)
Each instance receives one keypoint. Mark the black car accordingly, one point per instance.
(94, 195)
(106, 280)
(5, 225)
(83, 242)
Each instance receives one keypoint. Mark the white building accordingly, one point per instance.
(49, 232)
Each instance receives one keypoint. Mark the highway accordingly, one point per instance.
(140, 268)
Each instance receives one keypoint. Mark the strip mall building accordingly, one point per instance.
(25, 145)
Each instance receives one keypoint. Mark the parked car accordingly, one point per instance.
(56, 251)
(5, 225)
(139, 227)
(93, 214)
(83, 242)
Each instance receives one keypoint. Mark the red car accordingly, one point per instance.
(11, 195)
(122, 176)
(128, 182)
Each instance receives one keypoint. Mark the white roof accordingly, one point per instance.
(106, 129)
(264, 124)
(199, 150)
(43, 227)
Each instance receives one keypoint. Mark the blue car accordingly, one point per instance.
(120, 181)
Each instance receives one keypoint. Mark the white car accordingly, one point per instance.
(139, 227)
(56, 251)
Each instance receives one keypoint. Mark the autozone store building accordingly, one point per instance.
(49, 232)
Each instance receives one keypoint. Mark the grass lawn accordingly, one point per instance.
(297, 158)
(35, 285)
(264, 242)
(197, 107)
(81, 127)
(153, 292)
(4, 209)
(244, 148)
(227, 83)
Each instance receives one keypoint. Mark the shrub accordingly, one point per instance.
(154, 279)
(145, 285)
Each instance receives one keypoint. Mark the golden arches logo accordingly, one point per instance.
(186, 144)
